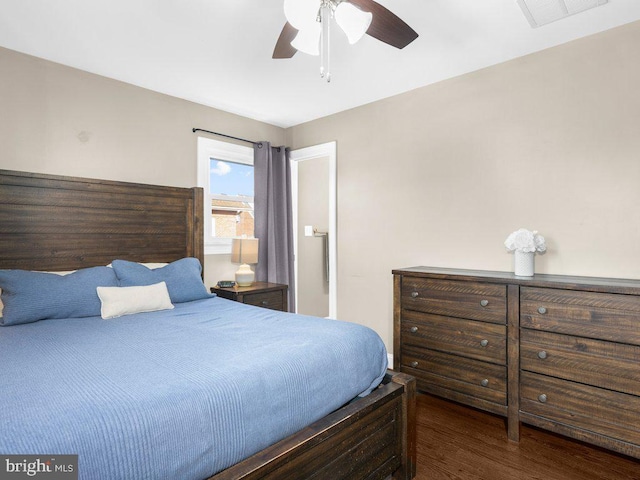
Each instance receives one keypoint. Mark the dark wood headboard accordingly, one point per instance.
(50, 222)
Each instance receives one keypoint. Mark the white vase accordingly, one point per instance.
(523, 264)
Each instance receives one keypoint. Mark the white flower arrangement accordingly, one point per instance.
(525, 241)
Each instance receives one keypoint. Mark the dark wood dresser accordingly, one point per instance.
(561, 353)
(261, 294)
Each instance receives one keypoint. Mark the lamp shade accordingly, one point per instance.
(308, 40)
(244, 250)
(301, 13)
(353, 21)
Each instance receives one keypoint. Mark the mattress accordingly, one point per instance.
(181, 393)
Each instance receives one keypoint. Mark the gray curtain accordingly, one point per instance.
(273, 217)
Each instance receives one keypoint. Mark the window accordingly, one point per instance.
(225, 171)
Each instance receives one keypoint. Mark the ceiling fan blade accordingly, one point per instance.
(386, 26)
(283, 48)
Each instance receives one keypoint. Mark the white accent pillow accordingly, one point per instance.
(119, 301)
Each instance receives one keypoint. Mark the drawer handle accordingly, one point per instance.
(414, 364)
(485, 382)
(542, 354)
(484, 342)
(542, 310)
(414, 294)
(264, 302)
(542, 398)
(413, 329)
(484, 303)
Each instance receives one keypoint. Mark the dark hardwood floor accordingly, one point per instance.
(456, 442)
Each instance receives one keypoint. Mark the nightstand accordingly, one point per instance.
(260, 294)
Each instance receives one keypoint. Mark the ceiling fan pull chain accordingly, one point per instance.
(325, 39)
(328, 44)
(322, 21)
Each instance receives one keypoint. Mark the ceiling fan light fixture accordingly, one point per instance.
(301, 13)
(308, 40)
(353, 21)
(308, 27)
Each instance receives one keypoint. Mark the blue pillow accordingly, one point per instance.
(182, 278)
(32, 296)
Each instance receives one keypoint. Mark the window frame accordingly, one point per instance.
(218, 150)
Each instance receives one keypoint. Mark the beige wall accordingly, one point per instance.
(59, 120)
(441, 175)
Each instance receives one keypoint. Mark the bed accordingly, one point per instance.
(54, 223)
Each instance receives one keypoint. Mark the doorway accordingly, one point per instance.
(314, 186)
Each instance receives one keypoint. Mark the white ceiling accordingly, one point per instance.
(218, 52)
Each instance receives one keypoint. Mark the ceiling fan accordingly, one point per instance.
(308, 27)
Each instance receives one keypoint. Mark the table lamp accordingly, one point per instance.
(244, 251)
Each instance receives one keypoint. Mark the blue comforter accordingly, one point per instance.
(182, 393)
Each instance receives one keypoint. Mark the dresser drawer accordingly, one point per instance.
(603, 364)
(471, 377)
(272, 300)
(593, 409)
(470, 338)
(603, 316)
(474, 300)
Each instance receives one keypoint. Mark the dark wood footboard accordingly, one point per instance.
(371, 438)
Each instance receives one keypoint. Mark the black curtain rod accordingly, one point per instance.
(259, 144)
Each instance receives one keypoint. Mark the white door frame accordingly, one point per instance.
(318, 151)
